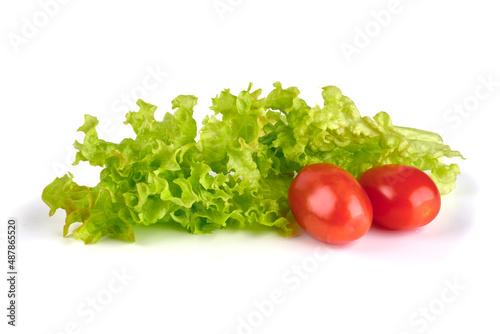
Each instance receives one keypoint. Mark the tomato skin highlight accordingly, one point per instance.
(330, 204)
(403, 197)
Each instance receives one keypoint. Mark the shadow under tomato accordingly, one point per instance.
(454, 219)
(382, 229)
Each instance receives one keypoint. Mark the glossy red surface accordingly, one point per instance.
(403, 197)
(330, 204)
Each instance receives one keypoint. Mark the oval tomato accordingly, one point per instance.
(403, 197)
(329, 203)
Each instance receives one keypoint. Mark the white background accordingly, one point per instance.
(422, 64)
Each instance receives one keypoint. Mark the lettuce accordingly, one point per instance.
(236, 175)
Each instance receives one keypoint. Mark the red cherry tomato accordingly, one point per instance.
(403, 197)
(330, 204)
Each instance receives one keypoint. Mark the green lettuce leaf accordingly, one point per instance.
(238, 172)
(338, 134)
